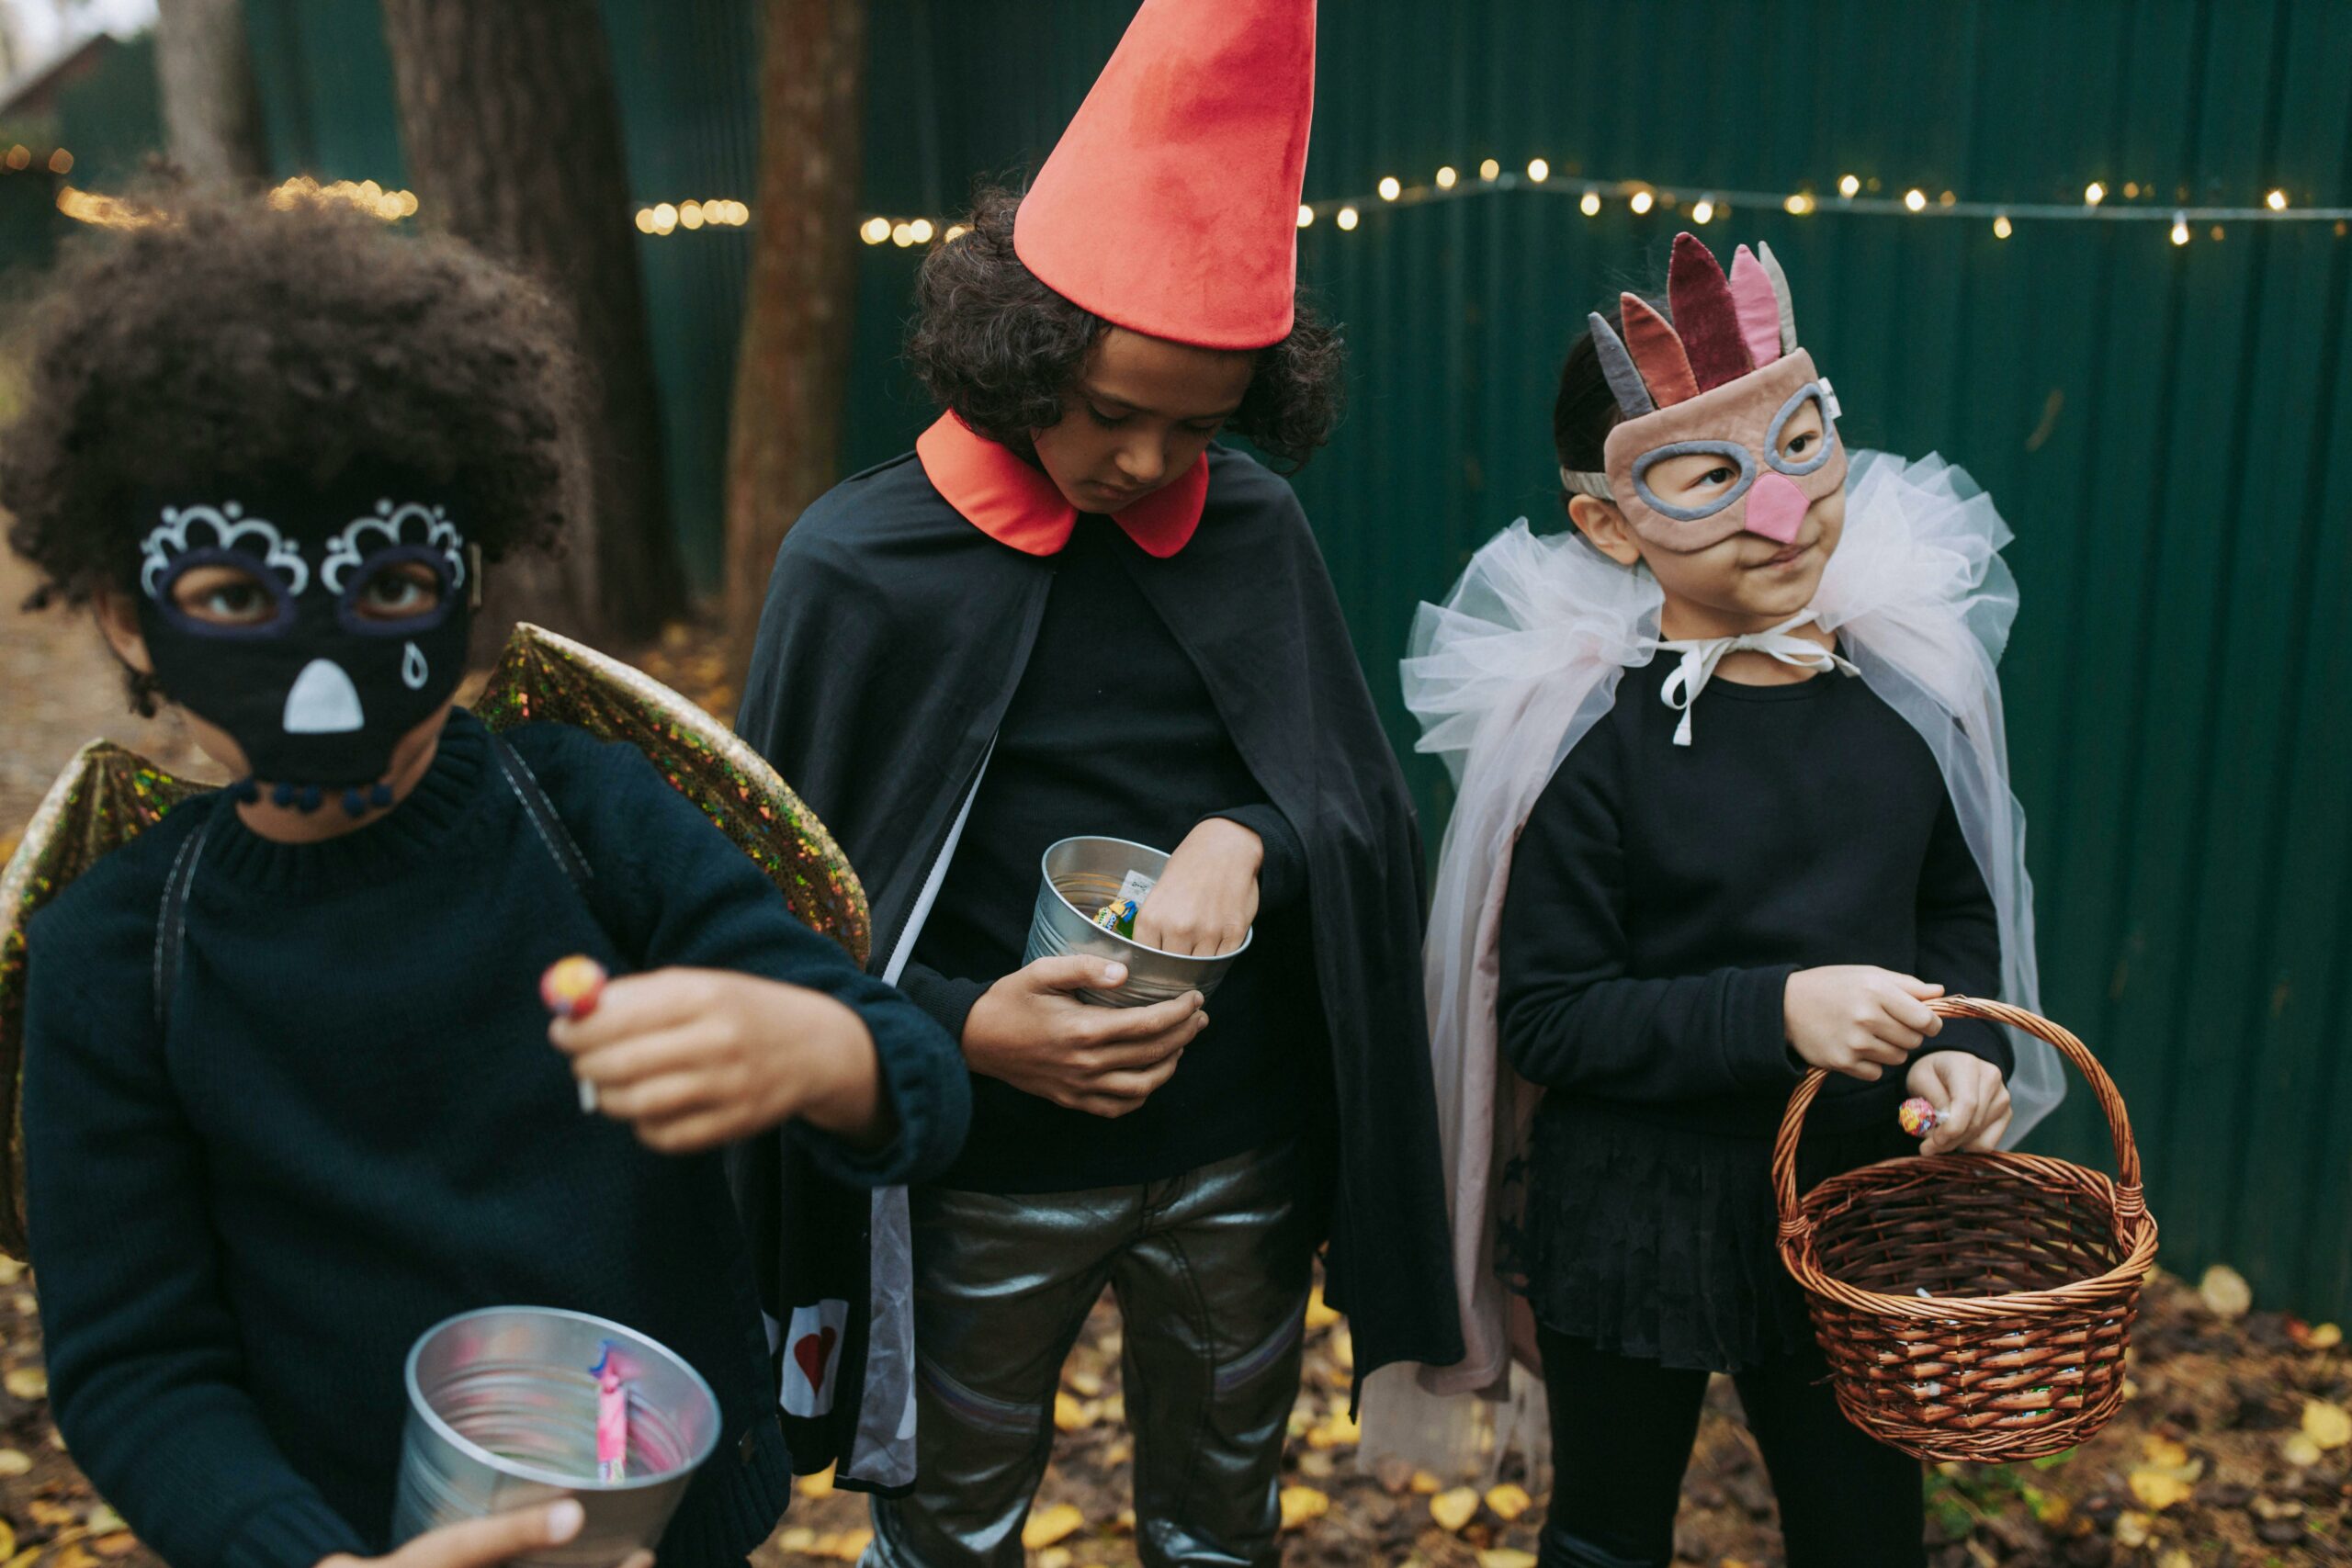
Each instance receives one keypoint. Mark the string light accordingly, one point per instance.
(690, 214)
(1590, 205)
(1306, 215)
(874, 230)
(2001, 229)
(1641, 201)
(1389, 189)
(1915, 198)
(2275, 201)
(1946, 199)
(61, 161)
(2130, 190)
(1489, 169)
(922, 231)
(1797, 205)
(1347, 217)
(1445, 177)
(1848, 186)
(1538, 170)
(2093, 194)
(2180, 228)
(1702, 209)
(2216, 233)
(955, 232)
(19, 156)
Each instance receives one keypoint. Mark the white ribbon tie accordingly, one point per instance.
(1701, 655)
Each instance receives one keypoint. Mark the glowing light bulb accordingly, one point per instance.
(2001, 229)
(874, 230)
(20, 155)
(922, 231)
(1704, 209)
(645, 221)
(408, 204)
(1306, 215)
(61, 161)
(1643, 202)
(955, 232)
(1797, 206)
(1445, 177)
(1946, 199)
(1389, 189)
(690, 214)
(2131, 189)
(1590, 205)
(2275, 201)
(1347, 219)
(1538, 170)
(1915, 198)
(2216, 234)
(1847, 185)
(902, 235)
(665, 218)
(2180, 228)
(2093, 194)
(1489, 169)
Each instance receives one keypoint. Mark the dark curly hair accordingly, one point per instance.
(226, 338)
(1000, 348)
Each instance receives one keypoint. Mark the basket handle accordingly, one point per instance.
(2129, 1200)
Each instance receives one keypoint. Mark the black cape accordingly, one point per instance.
(894, 634)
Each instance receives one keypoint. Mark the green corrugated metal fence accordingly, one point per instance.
(2166, 427)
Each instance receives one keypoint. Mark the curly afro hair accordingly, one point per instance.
(1001, 349)
(226, 338)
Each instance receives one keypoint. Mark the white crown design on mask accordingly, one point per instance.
(344, 551)
(230, 529)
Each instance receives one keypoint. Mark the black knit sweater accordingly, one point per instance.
(352, 1125)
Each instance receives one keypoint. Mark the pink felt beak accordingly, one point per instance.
(1776, 508)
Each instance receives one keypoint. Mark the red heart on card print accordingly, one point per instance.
(812, 1352)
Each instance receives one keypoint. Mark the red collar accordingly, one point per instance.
(1016, 504)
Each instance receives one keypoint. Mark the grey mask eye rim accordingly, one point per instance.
(1657, 455)
(1810, 392)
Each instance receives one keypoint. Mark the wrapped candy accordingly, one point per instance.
(570, 988)
(612, 1415)
(1119, 916)
(1918, 1117)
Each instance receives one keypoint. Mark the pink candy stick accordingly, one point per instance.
(612, 1420)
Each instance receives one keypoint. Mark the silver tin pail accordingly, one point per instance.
(501, 1414)
(1078, 876)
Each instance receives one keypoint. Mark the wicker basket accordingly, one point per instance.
(1973, 1306)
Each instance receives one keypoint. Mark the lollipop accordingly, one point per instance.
(1918, 1117)
(611, 1372)
(571, 987)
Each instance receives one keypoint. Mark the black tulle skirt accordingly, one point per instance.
(1654, 1240)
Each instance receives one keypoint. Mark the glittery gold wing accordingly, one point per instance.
(106, 798)
(542, 675)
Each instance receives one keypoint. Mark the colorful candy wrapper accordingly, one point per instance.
(612, 1415)
(1918, 1117)
(1118, 915)
(570, 988)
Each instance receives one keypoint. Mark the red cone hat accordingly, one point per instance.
(1170, 205)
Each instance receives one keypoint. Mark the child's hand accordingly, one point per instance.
(1857, 1020)
(1030, 1031)
(1205, 900)
(698, 1057)
(1971, 1102)
(482, 1544)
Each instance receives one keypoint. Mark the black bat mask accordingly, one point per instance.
(316, 627)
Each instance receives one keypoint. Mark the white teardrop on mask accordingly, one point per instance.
(413, 672)
(322, 701)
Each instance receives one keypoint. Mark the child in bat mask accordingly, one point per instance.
(290, 1095)
(1734, 804)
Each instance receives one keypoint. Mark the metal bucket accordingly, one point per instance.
(1078, 877)
(501, 1414)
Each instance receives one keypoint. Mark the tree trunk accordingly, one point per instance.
(513, 135)
(792, 372)
(204, 73)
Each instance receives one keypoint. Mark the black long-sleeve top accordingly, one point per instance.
(1113, 733)
(1660, 896)
(351, 1125)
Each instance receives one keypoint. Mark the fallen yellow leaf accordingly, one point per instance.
(2298, 1450)
(852, 1545)
(2162, 1450)
(1302, 1503)
(10, 1270)
(14, 1462)
(2324, 1337)
(1337, 1432)
(1086, 1384)
(24, 1559)
(74, 1556)
(1055, 1557)
(8, 1539)
(818, 1485)
(799, 1537)
(2176, 1558)
(1057, 1522)
(2225, 1292)
(1453, 1509)
(2328, 1425)
(104, 1521)
(1070, 1415)
(2131, 1528)
(1506, 1557)
(1509, 1501)
(121, 1544)
(27, 1382)
(1426, 1483)
(2160, 1487)
(1317, 1314)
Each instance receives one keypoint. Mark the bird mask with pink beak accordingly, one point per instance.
(1725, 378)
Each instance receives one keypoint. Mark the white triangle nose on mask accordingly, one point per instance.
(323, 700)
